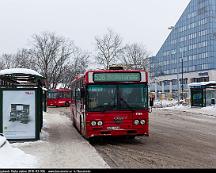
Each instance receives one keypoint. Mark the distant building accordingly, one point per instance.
(193, 41)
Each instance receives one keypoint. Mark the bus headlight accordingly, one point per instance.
(99, 123)
(136, 122)
(142, 122)
(93, 123)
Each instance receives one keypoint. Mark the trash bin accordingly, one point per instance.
(213, 101)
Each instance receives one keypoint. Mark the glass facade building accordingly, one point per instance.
(193, 41)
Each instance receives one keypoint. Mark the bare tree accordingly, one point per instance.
(7, 61)
(1, 64)
(51, 54)
(108, 48)
(135, 56)
(78, 65)
(56, 58)
(23, 59)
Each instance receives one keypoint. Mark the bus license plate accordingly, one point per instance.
(113, 128)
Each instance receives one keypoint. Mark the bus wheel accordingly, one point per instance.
(67, 104)
(92, 140)
(131, 137)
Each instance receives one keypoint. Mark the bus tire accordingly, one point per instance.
(67, 104)
(131, 137)
(92, 140)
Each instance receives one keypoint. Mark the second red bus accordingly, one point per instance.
(59, 97)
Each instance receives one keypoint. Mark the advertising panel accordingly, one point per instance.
(19, 114)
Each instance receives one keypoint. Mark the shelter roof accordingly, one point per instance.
(20, 76)
(202, 84)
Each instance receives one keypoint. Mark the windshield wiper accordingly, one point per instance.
(98, 108)
(126, 103)
(104, 108)
(109, 108)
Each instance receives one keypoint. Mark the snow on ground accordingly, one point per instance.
(209, 110)
(12, 157)
(165, 103)
(61, 146)
(173, 105)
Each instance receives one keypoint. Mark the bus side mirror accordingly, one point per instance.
(82, 92)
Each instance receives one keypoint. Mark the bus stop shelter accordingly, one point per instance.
(21, 104)
(203, 94)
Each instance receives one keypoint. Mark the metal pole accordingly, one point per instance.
(155, 89)
(178, 83)
(182, 79)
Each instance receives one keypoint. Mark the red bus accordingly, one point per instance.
(59, 97)
(111, 103)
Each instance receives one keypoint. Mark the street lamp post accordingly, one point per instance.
(182, 63)
(178, 83)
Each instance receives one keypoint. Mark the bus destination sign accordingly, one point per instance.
(117, 77)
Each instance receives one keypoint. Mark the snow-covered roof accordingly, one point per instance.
(202, 84)
(19, 71)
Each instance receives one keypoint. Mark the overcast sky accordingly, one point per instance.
(142, 21)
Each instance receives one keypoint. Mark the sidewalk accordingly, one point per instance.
(62, 146)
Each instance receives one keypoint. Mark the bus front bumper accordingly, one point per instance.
(118, 132)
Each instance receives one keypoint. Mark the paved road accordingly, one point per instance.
(177, 140)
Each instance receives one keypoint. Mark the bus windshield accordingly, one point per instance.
(117, 97)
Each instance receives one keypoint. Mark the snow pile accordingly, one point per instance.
(2, 141)
(27, 144)
(44, 134)
(13, 157)
(209, 110)
(165, 103)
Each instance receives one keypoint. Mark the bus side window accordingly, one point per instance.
(66, 95)
(58, 95)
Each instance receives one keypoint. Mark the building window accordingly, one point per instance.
(202, 10)
(174, 82)
(185, 81)
(202, 79)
